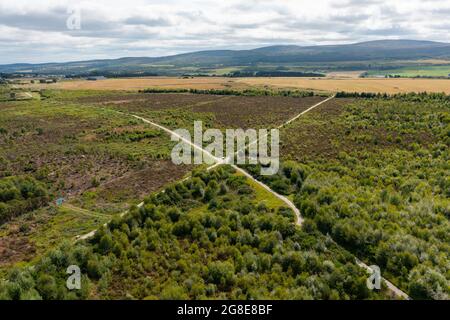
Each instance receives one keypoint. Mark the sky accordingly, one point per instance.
(64, 30)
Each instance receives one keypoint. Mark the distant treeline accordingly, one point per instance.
(412, 96)
(398, 76)
(6, 75)
(247, 74)
(115, 74)
(229, 92)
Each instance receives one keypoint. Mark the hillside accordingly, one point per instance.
(352, 56)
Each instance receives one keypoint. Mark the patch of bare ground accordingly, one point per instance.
(14, 248)
(135, 84)
(137, 184)
(150, 101)
(71, 173)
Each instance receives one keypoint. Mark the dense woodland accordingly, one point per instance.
(243, 74)
(386, 195)
(209, 237)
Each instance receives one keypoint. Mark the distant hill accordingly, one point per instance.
(374, 51)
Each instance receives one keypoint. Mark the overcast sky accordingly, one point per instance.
(36, 31)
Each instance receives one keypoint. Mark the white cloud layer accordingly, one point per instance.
(35, 31)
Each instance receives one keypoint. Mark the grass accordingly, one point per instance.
(264, 196)
(135, 84)
(411, 72)
(67, 223)
(33, 234)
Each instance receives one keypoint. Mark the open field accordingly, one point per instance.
(355, 85)
(180, 110)
(74, 148)
(93, 158)
(135, 84)
(256, 112)
(416, 71)
(326, 85)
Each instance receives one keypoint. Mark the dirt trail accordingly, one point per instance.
(396, 291)
(306, 111)
(288, 202)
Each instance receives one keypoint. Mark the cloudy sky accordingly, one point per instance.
(37, 31)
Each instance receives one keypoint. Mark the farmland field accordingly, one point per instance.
(319, 84)
(419, 71)
(355, 85)
(135, 84)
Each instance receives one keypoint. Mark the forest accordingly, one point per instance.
(209, 237)
(382, 188)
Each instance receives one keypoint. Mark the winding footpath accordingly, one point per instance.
(220, 161)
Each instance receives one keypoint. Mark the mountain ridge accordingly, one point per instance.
(378, 50)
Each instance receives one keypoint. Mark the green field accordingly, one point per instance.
(413, 72)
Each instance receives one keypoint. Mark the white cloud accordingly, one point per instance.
(35, 31)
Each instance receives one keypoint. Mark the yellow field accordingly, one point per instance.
(319, 84)
(356, 85)
(147, 82)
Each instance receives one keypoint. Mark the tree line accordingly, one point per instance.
(230, 92)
